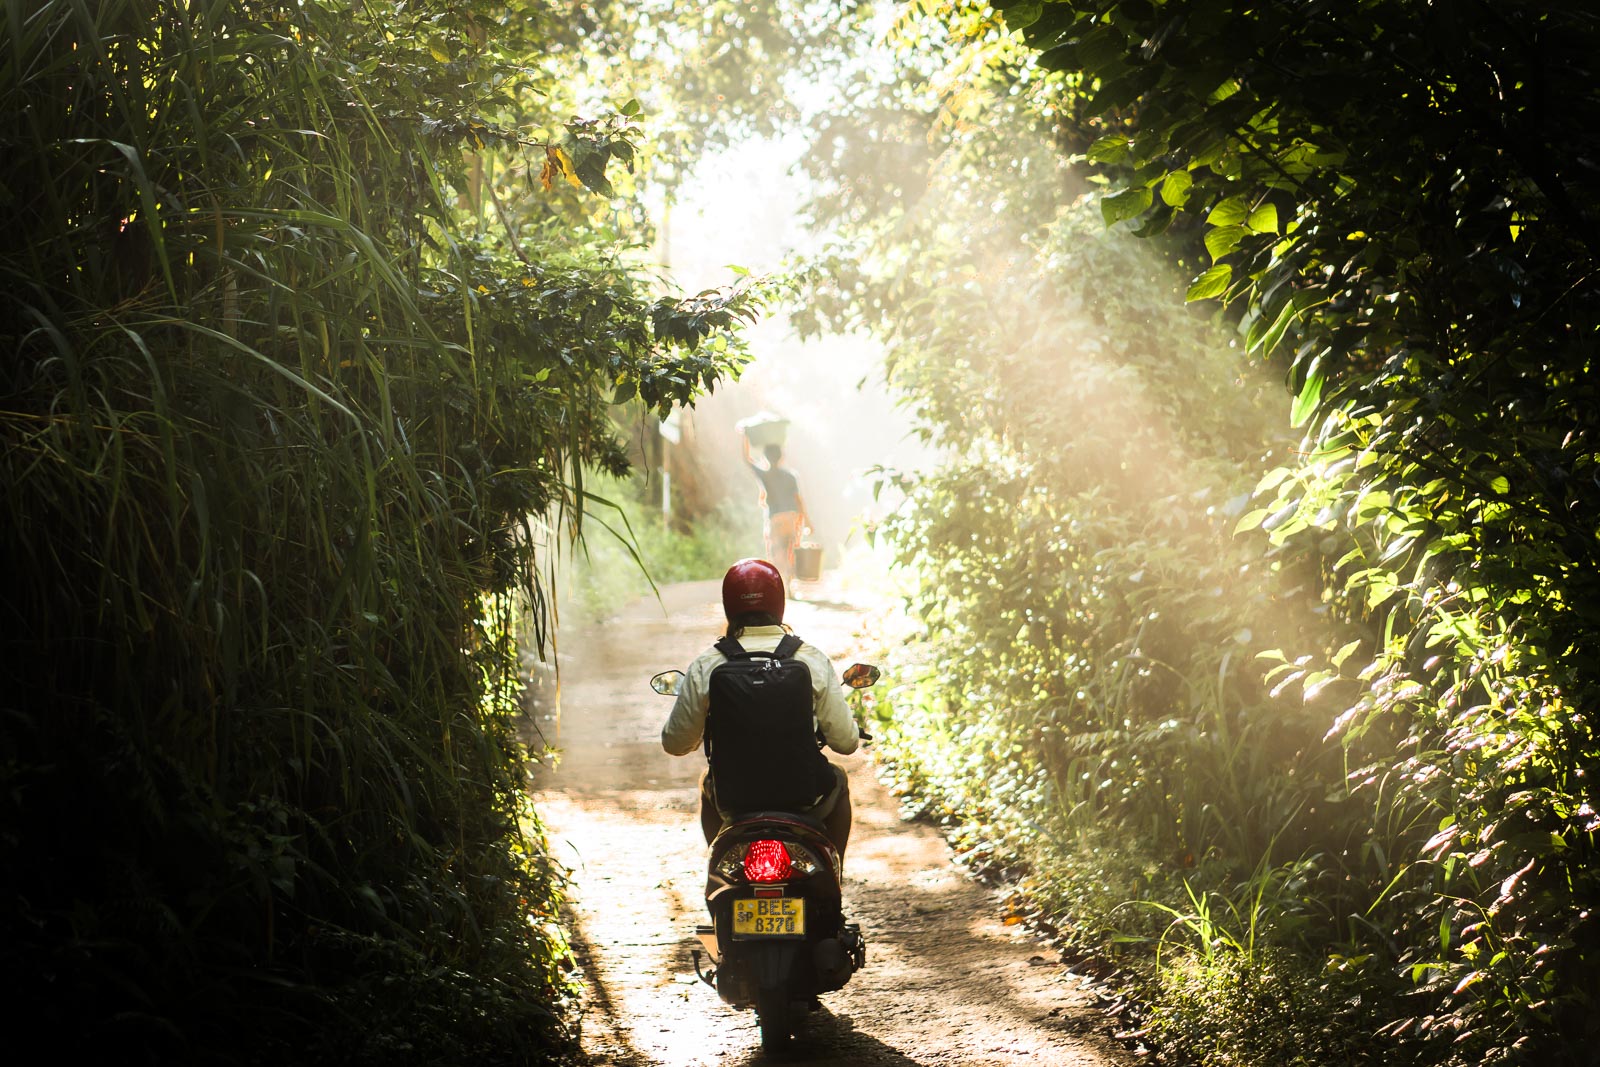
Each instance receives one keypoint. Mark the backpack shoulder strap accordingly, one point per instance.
(788, 646)
(729, 647)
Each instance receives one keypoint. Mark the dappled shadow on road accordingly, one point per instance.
(946, 983)
(943, 984)
(824, 1039)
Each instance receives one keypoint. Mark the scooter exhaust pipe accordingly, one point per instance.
(708, 977)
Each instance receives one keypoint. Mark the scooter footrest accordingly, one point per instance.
(707, 936)
(854, 943)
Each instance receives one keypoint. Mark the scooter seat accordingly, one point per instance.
(743, 820)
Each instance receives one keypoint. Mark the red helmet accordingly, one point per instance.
(752, 585)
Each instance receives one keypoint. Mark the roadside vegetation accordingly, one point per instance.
(315, 315)
(1257, 591)
(1299, 727)
(631, 549)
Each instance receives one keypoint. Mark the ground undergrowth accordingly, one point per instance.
(1192, 976)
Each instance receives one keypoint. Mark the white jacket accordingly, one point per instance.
(687, 723)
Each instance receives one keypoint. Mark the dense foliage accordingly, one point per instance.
(1401, 202)
(710, 74)
(1090, 716)
(1396, 203)
(312, 336)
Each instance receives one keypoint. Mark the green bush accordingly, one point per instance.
(1385, 232)
(1232, 1009)
(632, 549)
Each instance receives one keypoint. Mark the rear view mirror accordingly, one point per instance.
(667, 682)
(861, 675)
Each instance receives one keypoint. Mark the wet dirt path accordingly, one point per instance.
(946, 982)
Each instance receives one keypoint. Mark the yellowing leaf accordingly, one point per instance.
(1250, 520)
(564, 161)
(1345, 652)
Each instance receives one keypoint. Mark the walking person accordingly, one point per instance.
(785, 508)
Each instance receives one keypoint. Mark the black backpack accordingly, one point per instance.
(761, 736)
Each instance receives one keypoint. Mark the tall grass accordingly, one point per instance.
(279, 405)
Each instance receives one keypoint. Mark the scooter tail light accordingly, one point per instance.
(767, 861)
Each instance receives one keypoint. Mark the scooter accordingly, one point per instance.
(777, 937)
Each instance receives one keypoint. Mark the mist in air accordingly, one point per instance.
(742, 206)
(1027, 338)
(1055, 352)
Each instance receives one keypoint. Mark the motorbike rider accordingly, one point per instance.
(753, 601)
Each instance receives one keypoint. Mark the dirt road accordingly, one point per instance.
(946, 983)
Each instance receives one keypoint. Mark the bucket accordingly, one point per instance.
(764, 429)
(808, 561)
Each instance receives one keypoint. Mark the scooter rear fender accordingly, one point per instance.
(753, 966)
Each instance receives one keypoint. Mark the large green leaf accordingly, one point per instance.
(1020, 14)
(1213, 282)
(1263, 219)
(1175, 188)
(1112, 148)
(1221, 240)
(1128, 204)
(1230, 211)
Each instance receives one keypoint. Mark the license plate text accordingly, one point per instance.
(771, 917)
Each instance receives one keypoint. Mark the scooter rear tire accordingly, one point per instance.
(774, 1013)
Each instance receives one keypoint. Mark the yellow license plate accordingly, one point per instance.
(770, 917)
